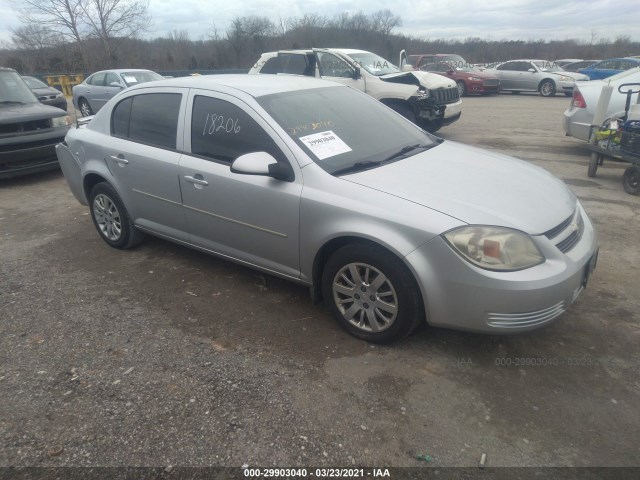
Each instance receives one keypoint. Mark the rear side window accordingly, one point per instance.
(150, 118)
(222, 131)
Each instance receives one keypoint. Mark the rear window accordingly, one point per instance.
(150, 118)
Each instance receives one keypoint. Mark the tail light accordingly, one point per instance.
(578, 100)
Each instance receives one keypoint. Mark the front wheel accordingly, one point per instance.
(405, 110)
(547, 88)
(631, 180)
(111, 218)
(462, 88)
(371, 293)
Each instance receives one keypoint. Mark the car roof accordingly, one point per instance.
(346, 51)
(253, 85)
(122, 70)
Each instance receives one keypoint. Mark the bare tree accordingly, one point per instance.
(384, 21)
(245, 29)
(60, 16)
(112, 20)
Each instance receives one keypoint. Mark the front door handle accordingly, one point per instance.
(197, 179)
(119, 159)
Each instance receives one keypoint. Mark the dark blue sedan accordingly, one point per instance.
(609, 67)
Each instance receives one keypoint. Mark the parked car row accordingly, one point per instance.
(431, 101)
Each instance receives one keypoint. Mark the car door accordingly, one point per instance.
(528, 79)
(143, 155)
(603, 69)
(112, 86)
(334, 68)
(93, 92)
(254, 219)
(509, 75)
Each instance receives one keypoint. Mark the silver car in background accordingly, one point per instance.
(97, 89)
(541, 76)
(579, 116)
(321, 184)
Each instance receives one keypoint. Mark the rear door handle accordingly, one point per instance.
(197, 179)
(119, 159)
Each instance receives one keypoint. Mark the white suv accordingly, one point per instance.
(427, 99)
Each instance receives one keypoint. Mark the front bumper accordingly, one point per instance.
(30, 153)
(461, 296)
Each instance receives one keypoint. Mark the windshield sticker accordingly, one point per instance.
(130, 79)
(325, 144)
(305, 127)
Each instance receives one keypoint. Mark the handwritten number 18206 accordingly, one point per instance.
(217, 123)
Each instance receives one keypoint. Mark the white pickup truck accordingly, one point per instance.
(427, 99)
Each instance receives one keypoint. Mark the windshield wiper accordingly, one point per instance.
(368, 164)
(11, 102)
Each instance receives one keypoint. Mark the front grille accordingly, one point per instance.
(445, 95)
(491, 83)
(525, 319)
(31, 126)
(568, 233)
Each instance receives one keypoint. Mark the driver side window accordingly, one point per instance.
(221, 132)
(332, 66)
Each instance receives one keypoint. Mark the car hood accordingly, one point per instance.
(45, 91)
(475, 186)
(26, 112)
(426, 79)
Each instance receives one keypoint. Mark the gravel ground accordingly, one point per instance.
(161, 356)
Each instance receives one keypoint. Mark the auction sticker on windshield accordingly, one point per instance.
(325, 144)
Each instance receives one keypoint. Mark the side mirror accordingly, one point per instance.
(407, 67)
(532, 70)
(263, 164)
(357, 73)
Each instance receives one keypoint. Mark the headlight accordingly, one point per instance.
(564, 78)
(495, 248)
(423, 93)
(475, 79)
(59, 122)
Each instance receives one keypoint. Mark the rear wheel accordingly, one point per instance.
(371, 293)
(85, 108)
(111, 218)
(631, 180)
(593, 164)
(547, 88)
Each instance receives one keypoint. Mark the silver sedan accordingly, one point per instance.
(540, 76)
(321, 184)
(97, 89)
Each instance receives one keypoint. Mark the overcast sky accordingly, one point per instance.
(486, 19)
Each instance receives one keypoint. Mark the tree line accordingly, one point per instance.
(82, 36)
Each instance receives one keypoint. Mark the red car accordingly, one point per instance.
(469, 78)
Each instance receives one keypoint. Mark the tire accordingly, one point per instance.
(85, 108)
(593, 164)
(111, 218)
(547, 88)
(462, 88)
(631, 180)
(403, 110)
(357, 275)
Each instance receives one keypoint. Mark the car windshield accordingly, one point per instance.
(134, 78)
(13, 90)
(546, 66)
(340, 128)
(34, 82)
(373, 64)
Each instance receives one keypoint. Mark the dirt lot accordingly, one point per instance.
(163, 356)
